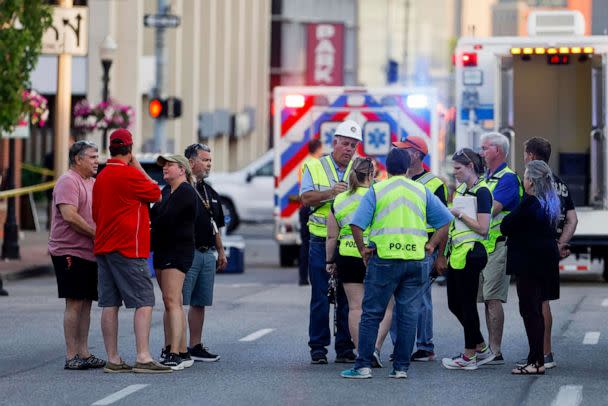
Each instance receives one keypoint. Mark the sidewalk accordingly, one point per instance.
(35, 259)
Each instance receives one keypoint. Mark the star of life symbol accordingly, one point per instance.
(376, 138)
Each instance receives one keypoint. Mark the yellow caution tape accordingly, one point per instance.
(5, 194)
(37, 169)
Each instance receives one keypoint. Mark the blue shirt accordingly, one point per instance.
(437, 215)
(307, 183)
(507, 189)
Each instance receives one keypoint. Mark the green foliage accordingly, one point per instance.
(22, 23)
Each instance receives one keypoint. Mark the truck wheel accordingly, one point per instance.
(288, 254)
(230, 215)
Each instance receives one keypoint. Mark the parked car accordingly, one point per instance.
(247, 194)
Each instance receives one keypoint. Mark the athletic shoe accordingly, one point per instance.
(423, 356)
(549, 362)
(397, 374)
(376, 360)
(318, 358)
(460, 362)
(173, 361)
(361, 373)
(94, 362)
(200, 353)
(486, 356)
(187, 361)
(346, 358)
(75, 364)
(164, 352)
(497, 360)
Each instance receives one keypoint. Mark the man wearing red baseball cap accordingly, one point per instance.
(121, 198)
(417, 149)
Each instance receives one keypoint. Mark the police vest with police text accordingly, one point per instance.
(324, 177)
(398, 229)
(463, 241)
(345, 206)
(495, 221)
(433, 183)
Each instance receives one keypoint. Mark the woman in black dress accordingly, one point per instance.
(532, 256)
(173, 246)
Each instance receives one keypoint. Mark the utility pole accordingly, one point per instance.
(63, 106)
(160, 139)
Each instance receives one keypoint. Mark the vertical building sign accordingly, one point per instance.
(325, 55)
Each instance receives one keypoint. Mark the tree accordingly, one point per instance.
(22, 23)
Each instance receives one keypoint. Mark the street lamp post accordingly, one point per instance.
(107, 52)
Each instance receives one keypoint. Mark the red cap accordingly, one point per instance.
(415, 142)
(121, 137)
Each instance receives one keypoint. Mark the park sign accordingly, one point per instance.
(68, 33)
(162, 20)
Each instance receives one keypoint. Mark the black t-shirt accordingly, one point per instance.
(440, 192)
(173, 220)
(484, 200)
(565, 202)
(204, 229)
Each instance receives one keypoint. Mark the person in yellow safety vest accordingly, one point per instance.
(417, 149)
(322, 180)
(315, 151)
(397, 212)
(507, 191)
(346, 262)
(472, 206)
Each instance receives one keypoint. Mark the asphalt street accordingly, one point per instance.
(259, 326)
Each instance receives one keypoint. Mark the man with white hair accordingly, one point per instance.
(507, 191)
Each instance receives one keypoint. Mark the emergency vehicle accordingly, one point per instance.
(304, 113)
(550, 84)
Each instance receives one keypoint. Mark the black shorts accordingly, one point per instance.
(350, 269)
(76, 277)
(176, 260)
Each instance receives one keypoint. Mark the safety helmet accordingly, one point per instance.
(350, 129)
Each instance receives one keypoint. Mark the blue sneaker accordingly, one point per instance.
(397, 374)
(361, 373)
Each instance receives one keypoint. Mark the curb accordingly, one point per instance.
(29, 272)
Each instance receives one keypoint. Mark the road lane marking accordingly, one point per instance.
(605, 303)
(108, 400)
(591, 337)
(254, 336)
(569, 395)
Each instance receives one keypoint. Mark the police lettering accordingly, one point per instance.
(402, 247)
(350, 244)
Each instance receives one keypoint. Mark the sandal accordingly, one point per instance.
(523, 370)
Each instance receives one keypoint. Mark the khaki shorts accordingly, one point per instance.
(493, 280)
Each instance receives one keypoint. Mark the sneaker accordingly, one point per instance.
(549, 362)
(112, 368)
(318, 358)
(376, 360)
(497, 360)
(94, 362)
(75, 363)
(423, 356)
(152, 367)
(397, 374)
(173, 361)
(200, 353)
(460, 362)
(346, 358)
(164, 352)
(486, 356)
(187, 360)
(361, 373)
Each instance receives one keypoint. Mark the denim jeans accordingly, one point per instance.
(424, 331)
(319, 331)
(385, 278)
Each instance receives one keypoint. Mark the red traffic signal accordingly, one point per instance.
(156, 108)
(171, 107)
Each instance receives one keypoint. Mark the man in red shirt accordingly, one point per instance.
(121, 197)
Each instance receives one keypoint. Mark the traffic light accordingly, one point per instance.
(168, 108)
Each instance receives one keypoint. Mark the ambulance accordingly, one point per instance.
(305, 113)
(551, 84)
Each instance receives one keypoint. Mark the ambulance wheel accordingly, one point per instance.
(230, 216)
(288, 254)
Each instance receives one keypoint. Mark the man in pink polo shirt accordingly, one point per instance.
(71, 248)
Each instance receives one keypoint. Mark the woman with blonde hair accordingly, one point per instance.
(346, 261)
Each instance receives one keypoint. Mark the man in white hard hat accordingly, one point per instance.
(322, 180)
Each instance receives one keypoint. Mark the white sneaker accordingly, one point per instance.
(361, 373)
(460, 362)
(397, 374)
(485, 356)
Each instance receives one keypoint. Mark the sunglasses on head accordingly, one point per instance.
(462, 152)
(194, 148)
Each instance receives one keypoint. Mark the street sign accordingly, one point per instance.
(162, 20)
(68, 33)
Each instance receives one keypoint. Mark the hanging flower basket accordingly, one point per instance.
(36, 107)
(104, 116)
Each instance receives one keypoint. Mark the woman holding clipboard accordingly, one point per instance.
(472, 207)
